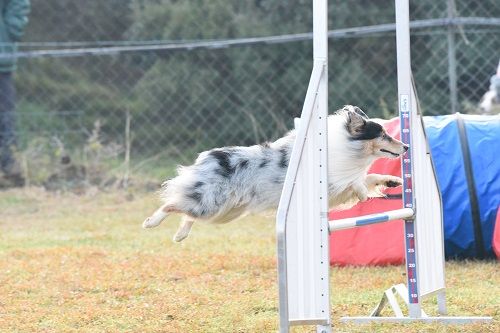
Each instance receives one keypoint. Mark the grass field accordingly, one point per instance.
(84, 264)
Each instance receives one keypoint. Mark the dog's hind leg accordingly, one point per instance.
(184, 228)
(159, 215)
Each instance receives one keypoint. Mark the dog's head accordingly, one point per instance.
(375, 140)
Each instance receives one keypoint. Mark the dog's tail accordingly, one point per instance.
(154, 220)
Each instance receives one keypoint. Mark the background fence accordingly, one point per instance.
(134, 86)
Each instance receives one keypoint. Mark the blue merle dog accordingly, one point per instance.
(226, 183)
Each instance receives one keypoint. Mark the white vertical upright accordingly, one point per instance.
(320, 53)
(406, 113)
(302, 218)
(424, 234)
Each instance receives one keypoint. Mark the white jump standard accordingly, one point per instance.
(302, 224)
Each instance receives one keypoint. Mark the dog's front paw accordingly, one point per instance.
(393, 181)
(362, 196)
(361, 192)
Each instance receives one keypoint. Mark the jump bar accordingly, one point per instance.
(360, 221)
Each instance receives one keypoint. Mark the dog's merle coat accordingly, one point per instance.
(225, 183)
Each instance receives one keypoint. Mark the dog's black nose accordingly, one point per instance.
(405, 147)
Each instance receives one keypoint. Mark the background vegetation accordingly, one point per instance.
(189, 100)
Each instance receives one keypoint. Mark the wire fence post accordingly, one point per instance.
(452, 58)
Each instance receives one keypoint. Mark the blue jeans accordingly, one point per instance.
(7, 131)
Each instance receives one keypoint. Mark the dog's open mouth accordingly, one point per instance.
(390, 152)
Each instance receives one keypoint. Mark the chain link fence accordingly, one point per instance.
(128, 87)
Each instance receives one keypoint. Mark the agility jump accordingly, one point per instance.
(302, 224)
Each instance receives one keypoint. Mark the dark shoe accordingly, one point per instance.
(4, 182)
(17, 180)
(12, 176)
(8, 181)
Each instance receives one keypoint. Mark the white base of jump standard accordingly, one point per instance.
(444, 320)
(401, 291)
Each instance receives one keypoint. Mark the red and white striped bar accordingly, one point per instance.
(360, 221)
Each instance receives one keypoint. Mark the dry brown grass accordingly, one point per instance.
(83, 264)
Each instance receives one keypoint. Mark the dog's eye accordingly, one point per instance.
(386, 137)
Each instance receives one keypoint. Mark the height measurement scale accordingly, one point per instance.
(406, 167)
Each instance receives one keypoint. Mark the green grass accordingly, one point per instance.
(83, 264)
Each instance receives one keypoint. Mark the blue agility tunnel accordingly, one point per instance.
(466, 154)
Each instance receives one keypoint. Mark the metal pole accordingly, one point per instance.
(452, 59)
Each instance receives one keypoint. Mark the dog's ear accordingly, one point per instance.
(355, 121)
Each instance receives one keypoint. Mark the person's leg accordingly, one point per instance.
(7, 122)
